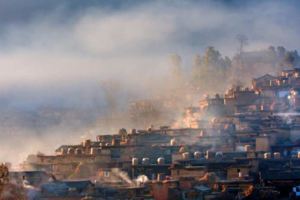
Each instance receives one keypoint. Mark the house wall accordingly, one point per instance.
(177, 173)
(232, 172)
(262, 144)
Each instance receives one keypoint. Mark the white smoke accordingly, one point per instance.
(49, 54)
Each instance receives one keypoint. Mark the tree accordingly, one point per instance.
(209, 69)
(145, 112)
(243, 41)
(281, 51)
(176, 66)
(291, 58)
(211, 56)
(227, 62)
(196, 61)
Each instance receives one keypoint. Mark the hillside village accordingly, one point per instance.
(244, 144)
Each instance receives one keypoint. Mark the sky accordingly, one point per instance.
(57, 54)
(71, 41)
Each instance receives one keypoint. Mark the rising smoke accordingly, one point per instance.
(67, 66)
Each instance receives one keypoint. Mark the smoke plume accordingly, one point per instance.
(69, 68)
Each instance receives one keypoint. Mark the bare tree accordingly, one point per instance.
(243, 41)
(176, 66)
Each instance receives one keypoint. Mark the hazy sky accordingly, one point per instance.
(73, 40)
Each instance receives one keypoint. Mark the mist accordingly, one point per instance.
(55, 58)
